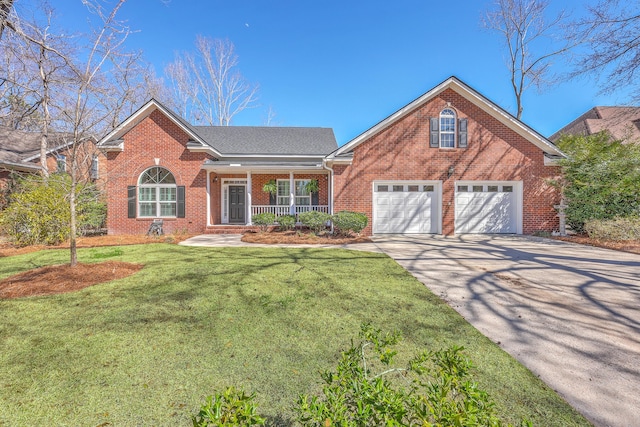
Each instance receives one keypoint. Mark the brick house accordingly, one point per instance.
(621, 123)
(20, 155)
(449, 162)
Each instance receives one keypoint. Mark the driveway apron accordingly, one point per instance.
(570, 313)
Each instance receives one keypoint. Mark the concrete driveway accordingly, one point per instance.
(570, 313)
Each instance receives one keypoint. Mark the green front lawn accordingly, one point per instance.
(148, 349)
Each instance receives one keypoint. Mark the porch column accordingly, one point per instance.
(292, 192)
(208, 198)
(249, 208)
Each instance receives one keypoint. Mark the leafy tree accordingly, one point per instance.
(36, 215)
(601, 178)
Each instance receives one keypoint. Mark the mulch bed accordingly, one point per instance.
(57, 279)
(632, 246)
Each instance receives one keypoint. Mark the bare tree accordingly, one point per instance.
(611, 34)
(81, 85)
(531, 42)
(207, 87)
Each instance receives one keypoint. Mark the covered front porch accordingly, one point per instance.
(236, 193)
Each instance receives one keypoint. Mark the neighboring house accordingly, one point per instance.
(449, 162)
(622, 124)
(20, 154)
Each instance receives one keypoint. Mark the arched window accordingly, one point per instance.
(448, 128)
(157, 193)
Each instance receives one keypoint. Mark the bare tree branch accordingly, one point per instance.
(531, 41)
(611, 33)
(207, 87)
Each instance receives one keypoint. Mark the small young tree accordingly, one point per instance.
(367, 389)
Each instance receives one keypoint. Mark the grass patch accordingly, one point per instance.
(148, 349)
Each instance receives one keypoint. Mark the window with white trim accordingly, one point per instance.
(94, 167)
(61, 163)
(447, 128)
(283, 192)
(302, 196)
(157, 193)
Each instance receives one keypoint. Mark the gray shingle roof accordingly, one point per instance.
(16, 146)
(288, 141)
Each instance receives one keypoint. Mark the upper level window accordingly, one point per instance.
(157, 192)
(447, 128)
(61, 163)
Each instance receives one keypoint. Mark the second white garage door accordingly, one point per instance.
(406, 207)
(488, 207)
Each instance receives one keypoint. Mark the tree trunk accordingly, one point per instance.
(72, 205)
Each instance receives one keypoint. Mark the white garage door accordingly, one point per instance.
(488, 207)
(405, 207)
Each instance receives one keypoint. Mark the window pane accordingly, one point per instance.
(283, 192)
(147, 209)
(507, 188)
(492, 188)
(427, 188)
(301, 189)
(383, 188)
(303, 201)
(447, 140)
(167, 209)
(398, 188)
(477, 188)
(463, 188)
(168, 194)
(413, 188)
(147, 194)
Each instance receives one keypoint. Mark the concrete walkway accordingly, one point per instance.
(570, 313)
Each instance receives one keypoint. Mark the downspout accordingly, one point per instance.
(330, 169)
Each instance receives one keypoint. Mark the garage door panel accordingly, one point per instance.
(487, 211)
(406, 211)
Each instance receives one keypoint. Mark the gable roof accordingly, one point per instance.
(471, 95)
(622, 123)
(18, 149)
(113, 141)
(235, 141)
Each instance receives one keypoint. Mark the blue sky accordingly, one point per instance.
(347, 64)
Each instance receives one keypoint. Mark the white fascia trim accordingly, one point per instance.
(230, 169)
(392, 118)
(342, 161)
(506, 119)
(144, 112)
(473, 96)
(319, 157)
(19, 166)
(548, 161)
(54, 149)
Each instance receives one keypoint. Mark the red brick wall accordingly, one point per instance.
(156, 137)
(495, 152)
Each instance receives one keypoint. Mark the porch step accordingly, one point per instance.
(230, 229)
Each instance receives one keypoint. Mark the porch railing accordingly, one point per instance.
(286, 210)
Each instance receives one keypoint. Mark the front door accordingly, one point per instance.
(236, 204)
